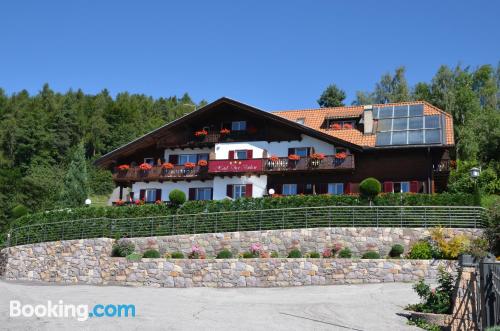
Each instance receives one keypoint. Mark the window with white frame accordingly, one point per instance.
(289, 189)
(401, 187)
(150, 195)
(203, 193)
(336, 188)
(239, 126)
(301, 151)
(241, 154)
(239, 191)
(185, 158)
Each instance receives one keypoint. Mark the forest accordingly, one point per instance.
(48, 141)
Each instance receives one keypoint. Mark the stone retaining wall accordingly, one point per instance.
(3, 263)
(88, 262)
(359, 240)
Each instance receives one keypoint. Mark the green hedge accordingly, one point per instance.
(194, 207)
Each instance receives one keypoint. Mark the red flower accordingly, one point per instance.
(139, 202)
(119, 202)
(145, 166)
(225, 131)
(341, 155)
(293, 157)
(202, 163)
(347, 126)
(201, 133)
(189, 165)
(318, 156)
(123, 167)
(274, 158)
(335, 126)
(167, 165)
(158, 202)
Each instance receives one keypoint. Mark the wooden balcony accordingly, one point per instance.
(179, 172)
(235, 166)
(309, 164)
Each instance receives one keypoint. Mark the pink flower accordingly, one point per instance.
(255, 247)
(327, 252)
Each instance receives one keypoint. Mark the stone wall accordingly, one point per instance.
(89, 262)
(3, 263)
(359, 240)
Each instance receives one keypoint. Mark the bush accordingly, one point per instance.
(225, 254)
(19, 210)
(314, 255)
(396, 250)
(450, 247)
(122, 248)
(177, 197)
(248, 255)
(370, 188)
(371, 255)
(177, 255)
(134, 257)
(421, 250)
(294, 254)
(151, 254)
(274, 255)
(436, 301)
(345, 253)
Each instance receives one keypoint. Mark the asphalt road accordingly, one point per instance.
(369, 307)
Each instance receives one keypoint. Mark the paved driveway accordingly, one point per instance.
(342, 307)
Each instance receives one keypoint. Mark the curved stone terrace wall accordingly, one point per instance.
(88, 261)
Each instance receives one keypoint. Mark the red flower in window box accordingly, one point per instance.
(341, 155)
(119, 202)
(293, 157)
(167, 166)
(347, 126)
(318, 156)
(189, 165)
(202, 163)
(225, 131)
(123, 167)
(335, 126)
(274, 158)
(201, 133)
(139, 202)
(145, 166)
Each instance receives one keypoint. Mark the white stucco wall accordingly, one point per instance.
(273, 148)
(258, 185)
(166, 187)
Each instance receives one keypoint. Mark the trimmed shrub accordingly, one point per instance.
(177, 197)
(19, 210)
(134, 257)
(314, 255)
(151, 254)
(177, 255)
(396, 250)
(345, 253)
(248, 255)
(371, 255)
(421, 250)
(274, 255)
(370, 188)
(122, 248)
(224, 254)
(294, 254)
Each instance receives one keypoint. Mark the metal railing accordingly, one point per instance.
(252, 220)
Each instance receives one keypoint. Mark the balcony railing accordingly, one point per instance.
(251, 165)
(309, 164)
(157, 173)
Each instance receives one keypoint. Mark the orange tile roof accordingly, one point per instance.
(314, 118)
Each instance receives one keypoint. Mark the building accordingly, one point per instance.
(230, 149)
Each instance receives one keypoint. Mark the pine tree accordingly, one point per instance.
(75, 186)
(332, 97)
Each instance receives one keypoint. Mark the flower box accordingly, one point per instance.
(123, 167)
(274, 158)
(167, 166)
(201, 134)
(202, 163)
(224, 131)
(189, 165)
(335, 126)
(145, 166)
(341, 155)
(318, 156)
(293, 157)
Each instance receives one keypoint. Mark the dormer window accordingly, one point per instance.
(239, 126)
(341, 124)
(300, 120)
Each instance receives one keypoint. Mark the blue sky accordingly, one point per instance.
(271, 54)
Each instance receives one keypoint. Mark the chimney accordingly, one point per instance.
(368, 119)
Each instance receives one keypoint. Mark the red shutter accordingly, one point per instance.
(414, 186)
(248, 190)
(192, 193)
(174, 159)
(142, 194)
(347, 188)
(231, 155)
(291, 151)
(229, 190)
(388, 187)
(249, 154)
(158, 194)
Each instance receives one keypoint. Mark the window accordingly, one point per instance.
(150, 195)
(289, 189)
(149, 160)
(239, 126)
(239, 191)
(300, 120)
(349, 124)
(401, 187)
(301, 151)
(184, 158)
(241, 154)
(336, 188)
(203, 193)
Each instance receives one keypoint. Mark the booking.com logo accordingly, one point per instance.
(62, 310)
